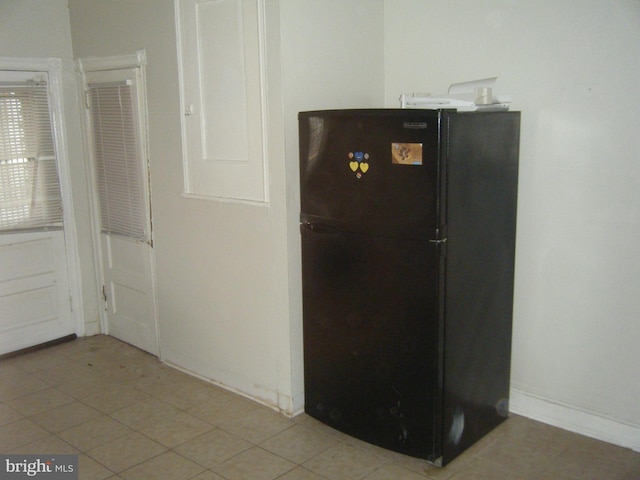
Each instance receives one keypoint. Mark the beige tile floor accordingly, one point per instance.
(128, 416)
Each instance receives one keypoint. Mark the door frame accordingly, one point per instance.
(138, 60)
(52, 66)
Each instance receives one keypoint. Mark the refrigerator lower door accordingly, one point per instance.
(370, 338)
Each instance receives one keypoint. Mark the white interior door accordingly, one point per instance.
(117, 134)
(35, 298)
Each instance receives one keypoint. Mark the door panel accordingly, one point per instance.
(130, 303)
(223, 79)
(34, 290)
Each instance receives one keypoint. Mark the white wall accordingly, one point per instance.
(227, 273)
(572, 68)
(32, 28)
(221, 267)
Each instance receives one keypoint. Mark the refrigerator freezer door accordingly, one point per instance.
(370, 338)
(370, 171)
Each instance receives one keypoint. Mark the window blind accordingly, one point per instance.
(29, 185)
(117, 159)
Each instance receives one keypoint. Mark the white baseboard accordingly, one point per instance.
(269, 398)
(574, 419)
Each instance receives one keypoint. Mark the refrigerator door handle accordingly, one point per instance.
(317, 227)
(438, 242)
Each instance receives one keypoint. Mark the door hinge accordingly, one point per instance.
(440, 241)
(104, 297)
(87, 105)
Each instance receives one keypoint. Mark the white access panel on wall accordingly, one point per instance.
(221, 52)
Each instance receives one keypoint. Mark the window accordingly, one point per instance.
(29, 187)
(117, 159)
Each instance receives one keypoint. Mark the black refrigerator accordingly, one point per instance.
(408, 222)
